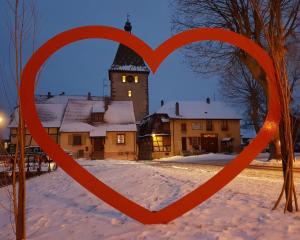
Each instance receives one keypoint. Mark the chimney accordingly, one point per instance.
(162, 103)
(49, 95)
(177, 109)
(208, 100)
(89, 96)
(106, 102)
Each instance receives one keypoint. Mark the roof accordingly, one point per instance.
(128, 60)
(118, 117)
(50, 115)
(72, 114)
(62, 99)
(199, 110)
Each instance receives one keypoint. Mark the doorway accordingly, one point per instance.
(183, 144)
(98, 147)
(209, 142)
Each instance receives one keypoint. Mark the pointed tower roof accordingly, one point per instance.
(126, 59)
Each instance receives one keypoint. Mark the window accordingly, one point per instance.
(136, 79)
(209, 125)
(183, 127)
(97, 117)
(14, 131)
(120, 138)
(77, 140)
(224, 125)
(195, 142)
(129, 93)
(123, 78)
(196, 126)
(161, 143)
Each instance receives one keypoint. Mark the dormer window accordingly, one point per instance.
(97, 117)
(136, 79)
(123, 78)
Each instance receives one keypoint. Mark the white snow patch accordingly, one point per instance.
(59, 208)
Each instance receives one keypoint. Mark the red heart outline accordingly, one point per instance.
(153, 59)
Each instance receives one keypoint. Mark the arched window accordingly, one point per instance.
(129, 93)
(136, 79)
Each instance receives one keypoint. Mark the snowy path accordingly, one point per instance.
(58, 208)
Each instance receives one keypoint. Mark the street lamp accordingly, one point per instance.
(3, 120)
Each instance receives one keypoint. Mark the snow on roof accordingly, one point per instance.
(121, 128)
(120, 112)
(77, 111)
(50, 115)
(98, 107)
(127, 59)
(118, 117)
(76, 127)
(199, 110)
(99, 131)
(129, 68)
(62, 99)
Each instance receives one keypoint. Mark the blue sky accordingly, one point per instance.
(82, 67)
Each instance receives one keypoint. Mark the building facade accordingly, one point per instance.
(87, 126)
(189, 128)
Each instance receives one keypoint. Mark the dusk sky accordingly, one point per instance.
(82, 67)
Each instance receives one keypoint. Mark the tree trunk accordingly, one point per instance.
(21, 233)
(275, 149)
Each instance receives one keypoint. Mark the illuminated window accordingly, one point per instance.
(136, 79)
(161, 143)
(129, 93)
(123, 78)
(120, 138)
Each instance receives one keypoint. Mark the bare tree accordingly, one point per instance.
(272, 25)
(238, 16)
(24, 28)
(239, 88)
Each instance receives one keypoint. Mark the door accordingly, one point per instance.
(98, 148)
(183, 144)
(209, 143)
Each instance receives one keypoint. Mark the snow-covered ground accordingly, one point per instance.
(59, 208)
(261, 159)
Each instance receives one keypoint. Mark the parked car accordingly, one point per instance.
(32, 151)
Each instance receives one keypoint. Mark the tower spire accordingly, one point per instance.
(128, 26)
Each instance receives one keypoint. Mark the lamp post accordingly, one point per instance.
(2, 121)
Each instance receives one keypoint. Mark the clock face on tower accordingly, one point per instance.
(129, 78)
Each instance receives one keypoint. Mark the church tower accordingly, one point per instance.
(129, 78)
